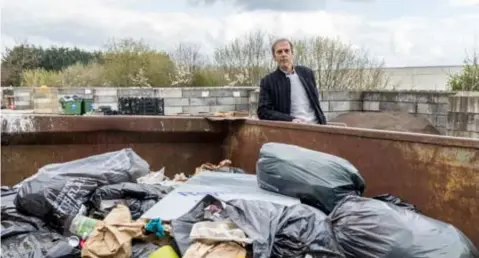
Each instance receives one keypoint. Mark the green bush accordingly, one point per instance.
(468, 78)
(127, 62)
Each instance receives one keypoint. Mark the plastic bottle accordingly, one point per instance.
(82, 226)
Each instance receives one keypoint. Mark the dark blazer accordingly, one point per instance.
(275, 95)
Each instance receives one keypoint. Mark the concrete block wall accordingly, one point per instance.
(45, 100)
(463, 115)
(23, 98)
(451, 113)
(335, 103)
(200, 100)
(434, 106)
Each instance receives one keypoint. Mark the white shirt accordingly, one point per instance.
(300, 104)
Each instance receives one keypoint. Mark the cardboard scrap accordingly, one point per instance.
(112, 237)
(209, 166)
(216, 250)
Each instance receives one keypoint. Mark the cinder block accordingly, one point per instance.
(371, 96)
(241, 107)
(222, 108)
(389, 96)
(171, 111)
(253, 96)
(398, 107)
(370, 106)
(240, 100)
(195, 93)
(105, 99)
(105, 92)
(406, 97)
(424, 108)
(466, 104)
(442, 108)
(324, 106)
(253, 107)
(203, 101)
(441, 121)
(339, 106)
(229, 92)
(225, 101)
(341, 95)
(177, 102)
(136, 92)
(169, 93)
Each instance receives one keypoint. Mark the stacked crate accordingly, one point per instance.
(148, 106)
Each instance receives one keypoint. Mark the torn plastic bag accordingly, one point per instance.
(58, 191)
(38, 244)
(316, 178)
(276, 230)
(367, 227)
(396, 201)
(138, 197)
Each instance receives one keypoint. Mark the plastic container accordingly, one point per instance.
(82, 226)
(165, 251)
(87, 106)
(72, 107)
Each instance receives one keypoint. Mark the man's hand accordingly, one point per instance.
(299, 121)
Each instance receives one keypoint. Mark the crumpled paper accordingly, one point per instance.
(112, 237)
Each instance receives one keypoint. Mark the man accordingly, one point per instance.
(290, 92)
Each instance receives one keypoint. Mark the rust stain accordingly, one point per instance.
(438, 174)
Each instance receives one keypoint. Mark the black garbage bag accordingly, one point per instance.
(39, 244)
(27, 236)
(138, 197)
(367, 227)
(316, 178)
(141, 249)
(58, 191)
(276, 230)
(14, 223)
(396, 201)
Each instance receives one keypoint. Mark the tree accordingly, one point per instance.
(16, 60)
(127, 62)
(245, 60)
(188, 63)
(58, 58)
(24, 57)
(468, 78)
(338, 66)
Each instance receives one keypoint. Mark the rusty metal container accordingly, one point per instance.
(439, 174)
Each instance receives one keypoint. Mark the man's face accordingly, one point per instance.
(283, 54)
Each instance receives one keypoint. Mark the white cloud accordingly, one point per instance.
(89, 23)
(464, 2)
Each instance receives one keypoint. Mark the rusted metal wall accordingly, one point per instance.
(438, 174)
(179, 144)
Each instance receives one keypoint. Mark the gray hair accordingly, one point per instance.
(281, 40)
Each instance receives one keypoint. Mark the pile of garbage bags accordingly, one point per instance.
(301, 203)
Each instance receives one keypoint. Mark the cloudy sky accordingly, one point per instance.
(403, 32)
